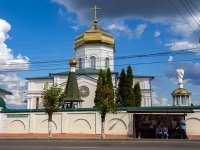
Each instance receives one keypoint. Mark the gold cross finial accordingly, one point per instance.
(95, 13)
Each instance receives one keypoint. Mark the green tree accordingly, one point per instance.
(119, 94)
(105, 105)
(52, 102)
(104, 97)
(138, 95)
(129, 95)
(108, 80)
(100, 84)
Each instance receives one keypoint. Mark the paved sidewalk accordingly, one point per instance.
(60, 136)
(78, 136)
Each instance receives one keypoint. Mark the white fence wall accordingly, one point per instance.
(80, 122)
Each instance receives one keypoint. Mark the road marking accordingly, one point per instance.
(81, 147)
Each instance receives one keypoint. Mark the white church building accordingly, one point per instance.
(95, 50)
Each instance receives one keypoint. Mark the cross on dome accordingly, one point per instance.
(95, 13)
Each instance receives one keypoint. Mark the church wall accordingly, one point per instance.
(193, 123)
(38, 84)
(100, 53)
(1, 122)
(41, 123)
(144, 82)
(89, 100)
(80, 123)
(66, 122)
(16, 123)
(60, 79)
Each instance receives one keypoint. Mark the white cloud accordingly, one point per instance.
(170, 58)
(155, 102)
(75, 28)
(140, 29)
(184, 29)
(61, 12)
(119, 28)
(8, 62)
(164, 102)
(116, 27)
(4, 28)
(157, 33)
(183, 45)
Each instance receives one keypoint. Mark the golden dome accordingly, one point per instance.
(72, 62)
(180, 91)
(94, 36)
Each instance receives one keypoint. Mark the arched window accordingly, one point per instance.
(80, 63)
(93, 62)
(107, 63)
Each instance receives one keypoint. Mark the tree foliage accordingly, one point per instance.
(138, 95)
(119, 94)
(129, 95)
(52, 101)
(100, 84)
(104, 97)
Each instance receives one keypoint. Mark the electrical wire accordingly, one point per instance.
(183, 18)
(190, 13)
(194, 5)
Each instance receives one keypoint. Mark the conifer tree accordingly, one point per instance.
(109, 79)
(104, 97)
(121, 87)
(138, 95)
(100, 84)
(128, 90)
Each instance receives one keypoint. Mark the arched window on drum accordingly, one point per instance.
(93, 62)
(80, 63)
(107, 63)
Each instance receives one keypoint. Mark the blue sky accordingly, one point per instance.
(155, 37)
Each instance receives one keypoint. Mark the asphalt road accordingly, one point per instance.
(65, 144)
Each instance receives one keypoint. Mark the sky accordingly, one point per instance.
(155, 37)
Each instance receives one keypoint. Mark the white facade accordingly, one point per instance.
(36, 85)
(90, 59)
(85, 122)
(97, 57)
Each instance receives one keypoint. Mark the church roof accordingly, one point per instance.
(82, 71)
(139, 76)
(181, 91)
(2, 103)
(45, 77)
(72, 91)
(5, 91)
(94, 36)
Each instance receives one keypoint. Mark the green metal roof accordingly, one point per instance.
(72, 90)
(82, 71)
(2, 103)
(94, 109)
(5, 91)
(45, 77)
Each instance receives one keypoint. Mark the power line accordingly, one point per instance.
(192, 10)
(183, 18)
(51, 62)
(189, 12)
(194, 5)
(67, 68)
(185, 72)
